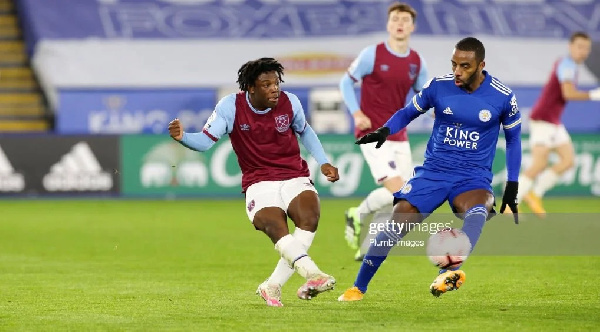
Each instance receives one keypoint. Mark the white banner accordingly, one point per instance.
(308, 62)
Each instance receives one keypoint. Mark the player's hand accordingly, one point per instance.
(510, 198)
(379, 136)
(330, 172)
(361, 121)
(176, 130)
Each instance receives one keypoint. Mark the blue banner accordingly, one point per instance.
(122, 111)
(164, 19)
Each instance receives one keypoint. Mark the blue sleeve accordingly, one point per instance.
(418, 105)
(511, 122)
(423, 76)
(360, 67)
(299, 119)
(219, 123)
(311, 142)
(566, 70)
(307, 135)
(348, 94)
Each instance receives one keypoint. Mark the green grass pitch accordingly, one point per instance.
(195, 264)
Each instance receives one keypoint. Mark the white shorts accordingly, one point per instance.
(547, 134)
(275, 194)
(392, 159)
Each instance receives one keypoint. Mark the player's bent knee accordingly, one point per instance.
(271, 222)
(306, 219)
(404, 206)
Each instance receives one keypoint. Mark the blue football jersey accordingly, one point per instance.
(467, 125)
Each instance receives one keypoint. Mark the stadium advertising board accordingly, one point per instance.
(158, 166)
(35, 165)
(85, 111)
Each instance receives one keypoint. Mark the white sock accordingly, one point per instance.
(545, 182)
(293, 251)
(525, 184)
(376, 200)
(283, 272)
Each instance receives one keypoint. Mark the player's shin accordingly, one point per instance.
(283, 271)
(376, 200)
(473, 223)
(295, 254)
(377, 253)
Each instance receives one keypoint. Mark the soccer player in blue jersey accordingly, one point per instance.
(470, 106)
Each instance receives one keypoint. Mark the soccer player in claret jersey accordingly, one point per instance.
(388, 71)
(262, 122)
(470, 106)
(548, 134)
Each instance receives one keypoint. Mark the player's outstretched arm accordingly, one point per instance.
(218, 124)
(194, 141)
(380, 136)
(396, 123)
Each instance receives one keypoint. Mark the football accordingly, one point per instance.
(448, 248)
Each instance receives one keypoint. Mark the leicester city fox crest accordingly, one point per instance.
(282, 123)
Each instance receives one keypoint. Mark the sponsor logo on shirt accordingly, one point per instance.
(460, 138)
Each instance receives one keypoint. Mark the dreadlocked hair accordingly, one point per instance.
(250, 71)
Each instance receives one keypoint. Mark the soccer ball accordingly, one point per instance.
(448, 248)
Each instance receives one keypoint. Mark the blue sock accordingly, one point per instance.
(474, 219)
(377, 253)
(473, 225)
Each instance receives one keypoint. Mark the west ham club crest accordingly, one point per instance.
(282, 123)
(412, 71)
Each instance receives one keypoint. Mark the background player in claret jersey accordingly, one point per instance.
(262, 122)
(547, 133)
(388, 71)
(470, 106)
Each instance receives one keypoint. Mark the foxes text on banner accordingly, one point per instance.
(132, 111)
(175, 43)
(162, 19)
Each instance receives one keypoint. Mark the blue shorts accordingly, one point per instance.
(427, 190)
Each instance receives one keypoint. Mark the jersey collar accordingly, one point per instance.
(252, 107)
